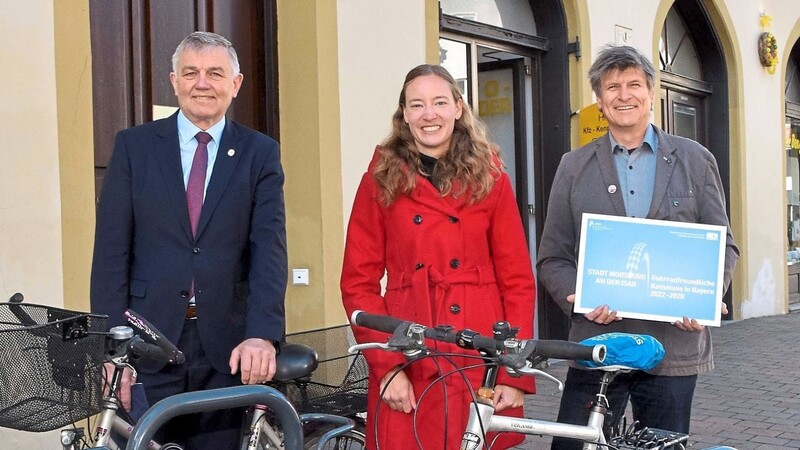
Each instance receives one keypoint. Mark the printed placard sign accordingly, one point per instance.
(651, 269)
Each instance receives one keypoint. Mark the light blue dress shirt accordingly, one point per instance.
(637, 173)
(186, 135)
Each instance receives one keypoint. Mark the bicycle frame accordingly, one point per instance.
(262, 431)
(107, 421)
(482, 418)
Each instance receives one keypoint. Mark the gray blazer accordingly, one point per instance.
(687, 189)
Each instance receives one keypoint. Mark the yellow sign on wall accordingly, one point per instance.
(494, 104)
(592, 124)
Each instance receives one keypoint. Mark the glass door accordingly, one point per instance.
(497, 81)
(683, 115)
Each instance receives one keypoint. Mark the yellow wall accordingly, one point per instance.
(310, 151)
(73, 59)
(431, 31)
(580, 93)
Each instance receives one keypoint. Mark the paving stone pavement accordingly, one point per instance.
(750, 401)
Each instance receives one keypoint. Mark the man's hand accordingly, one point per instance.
(255, 358)
(127, 379)
(507, 397)
(688, 324)
(601, 314)
(399, 394)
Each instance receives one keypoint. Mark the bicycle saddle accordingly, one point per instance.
(295, 361)
(626, 351)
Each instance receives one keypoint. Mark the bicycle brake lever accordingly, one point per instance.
(121, 360)
(538, 373)
(368, 346)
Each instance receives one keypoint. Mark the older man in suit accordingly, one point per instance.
(635, 170)
(191, 234)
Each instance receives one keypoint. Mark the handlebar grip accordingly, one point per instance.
(570, 350)
(153, 336)
(141, 349)
(375, 321)
(19, 311)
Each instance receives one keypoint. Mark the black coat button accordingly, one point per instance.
(453, 219)
(455, 309)
(196, 250)
(454, 263)
(184, 294)
(419, 266)
(417, 219)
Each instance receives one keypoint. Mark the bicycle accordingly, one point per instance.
(325, 393)
(522, 357)
(294, 365)
(60, 353)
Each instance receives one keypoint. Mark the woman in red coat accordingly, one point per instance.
(438, 217)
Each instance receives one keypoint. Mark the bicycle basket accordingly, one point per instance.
(339, 385)
(49, 366)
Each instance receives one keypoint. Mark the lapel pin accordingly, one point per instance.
(669, 161)
(612, 189)
(231, 152)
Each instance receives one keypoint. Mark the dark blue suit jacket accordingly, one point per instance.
(145, 257)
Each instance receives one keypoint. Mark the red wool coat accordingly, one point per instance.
(447, 262)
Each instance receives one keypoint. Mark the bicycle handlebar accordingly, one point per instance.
(387, 324)
(468, 339)
(152, 345)
(151, 335)
(24, 319)
(139, 348)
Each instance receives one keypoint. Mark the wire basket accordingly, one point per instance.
(50, 362)
(339, 385)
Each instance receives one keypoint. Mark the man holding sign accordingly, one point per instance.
(637, 171)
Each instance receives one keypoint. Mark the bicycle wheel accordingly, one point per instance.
(354, 439)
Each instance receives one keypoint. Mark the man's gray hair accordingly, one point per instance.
(620, 57)
(204, 40)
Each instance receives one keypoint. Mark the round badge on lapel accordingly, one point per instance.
(612, 189)
(231, 152)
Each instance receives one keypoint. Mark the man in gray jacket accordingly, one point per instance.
(635, 170)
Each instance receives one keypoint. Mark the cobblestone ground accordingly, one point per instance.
(750, 401)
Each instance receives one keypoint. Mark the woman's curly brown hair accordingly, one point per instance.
(471, 163)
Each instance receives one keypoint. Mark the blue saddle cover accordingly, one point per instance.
(636, 351)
